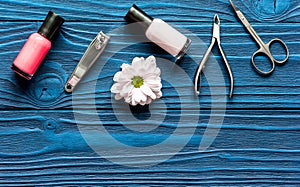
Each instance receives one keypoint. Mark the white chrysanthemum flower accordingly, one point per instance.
(138, 83)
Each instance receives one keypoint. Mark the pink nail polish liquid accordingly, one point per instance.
(37, 46)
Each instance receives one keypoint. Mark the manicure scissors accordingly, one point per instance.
(264, 49)
(90, 56)
(215, 38)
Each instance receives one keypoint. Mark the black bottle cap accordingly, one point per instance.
(50, 27)
(135, 14)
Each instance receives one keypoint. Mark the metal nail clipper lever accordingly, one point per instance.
(215, 38)
(90, 56)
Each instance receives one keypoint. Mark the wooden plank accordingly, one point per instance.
(200, 11)
(46, 148)
(257, 143)
(251, 90)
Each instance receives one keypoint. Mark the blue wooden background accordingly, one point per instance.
(258, 143)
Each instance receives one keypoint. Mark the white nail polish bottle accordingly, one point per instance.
(159, 32)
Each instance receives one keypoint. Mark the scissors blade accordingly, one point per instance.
(90, 56)
(240, 15)
(233, 6)
(248, 26)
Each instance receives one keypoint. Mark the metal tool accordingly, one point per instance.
(215, 38)
(264, 49)
(90, 56)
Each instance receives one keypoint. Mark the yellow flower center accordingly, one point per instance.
(137, 81)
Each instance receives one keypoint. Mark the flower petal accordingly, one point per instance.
(115, 88)
(136, 62)
(117, 76)
(127, 72)
(149, 100)
(118, 97)
(158, 94)
(154, 85)
(128, 99)
(138, 96)
(146, 90)
(126, 89)
(125, 66)
(157, 72)
(150, 64)
(151, 59)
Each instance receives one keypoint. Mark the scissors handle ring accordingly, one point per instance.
(264, 50)
(283, 45)
(268, 55)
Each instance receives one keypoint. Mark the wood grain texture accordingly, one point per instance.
(251, 90)
(48, 149)
(84, 10)
(258, 142)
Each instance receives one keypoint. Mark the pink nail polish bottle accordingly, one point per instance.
(37, 46)
(159, 32)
